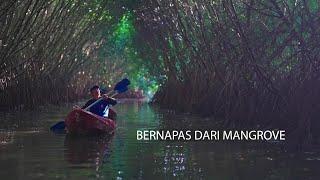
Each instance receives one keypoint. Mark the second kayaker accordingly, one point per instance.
(102, 107)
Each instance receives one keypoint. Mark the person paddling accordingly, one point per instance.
(102, 108)
(99, 106)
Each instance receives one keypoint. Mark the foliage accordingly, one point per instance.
(48, 49)
(253, 63)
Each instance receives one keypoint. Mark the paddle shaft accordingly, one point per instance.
(119, 88)
(87, 108)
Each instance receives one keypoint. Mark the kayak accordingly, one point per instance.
(81, 122)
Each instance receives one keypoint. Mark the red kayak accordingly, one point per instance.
(83, 122)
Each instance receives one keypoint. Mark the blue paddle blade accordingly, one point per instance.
(124, 89)
(122, 85)
(60, 126)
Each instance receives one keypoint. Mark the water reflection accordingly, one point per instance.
(30, 151)
(6, 137)
(81, 151)
(174, 160)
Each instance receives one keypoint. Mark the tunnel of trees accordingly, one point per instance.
(252, 63)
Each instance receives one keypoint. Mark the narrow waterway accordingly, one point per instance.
(28, 150)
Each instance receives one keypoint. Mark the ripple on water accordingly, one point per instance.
(29, 150)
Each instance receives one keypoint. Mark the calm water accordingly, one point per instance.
(29, 151)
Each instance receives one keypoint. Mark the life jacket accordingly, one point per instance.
(102, 107)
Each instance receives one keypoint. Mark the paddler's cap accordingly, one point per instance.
(94, 87)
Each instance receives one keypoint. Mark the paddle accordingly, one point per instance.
(120, 87)
(58, 127)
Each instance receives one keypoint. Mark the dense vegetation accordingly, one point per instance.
(52, 51)
(252, 63)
